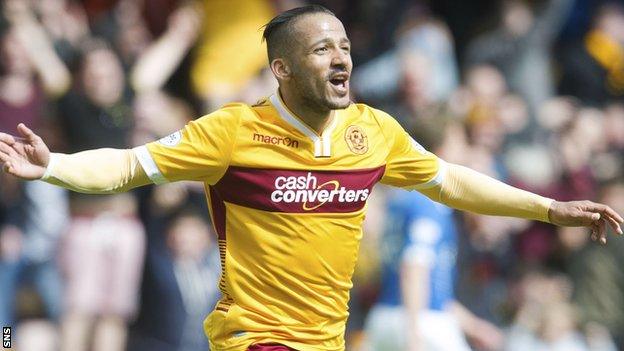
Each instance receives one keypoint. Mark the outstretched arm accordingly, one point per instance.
(100, 171)
(466, 189)
(154, 67)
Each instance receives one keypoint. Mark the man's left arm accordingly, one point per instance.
(469, 190)
(410, 166)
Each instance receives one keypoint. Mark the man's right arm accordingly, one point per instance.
(100, 171)
(200, 151)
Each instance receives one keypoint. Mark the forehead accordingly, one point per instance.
(312, 28)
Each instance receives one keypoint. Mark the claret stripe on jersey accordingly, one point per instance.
(287, 191)
(298, 191)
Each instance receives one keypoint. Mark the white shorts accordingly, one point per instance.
(386, 330)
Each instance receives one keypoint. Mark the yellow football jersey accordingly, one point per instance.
(287, 205)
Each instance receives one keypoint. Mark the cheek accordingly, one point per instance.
(316, 67)
(310, 77)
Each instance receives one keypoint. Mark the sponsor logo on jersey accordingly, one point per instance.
(275, 140)
(356, 140)
(296, 191)
(311, 193)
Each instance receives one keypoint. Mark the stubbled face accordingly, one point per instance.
(320, 62)
(103, 77)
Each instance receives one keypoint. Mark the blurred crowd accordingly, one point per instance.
(528, 91)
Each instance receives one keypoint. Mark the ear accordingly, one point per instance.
(280, 69)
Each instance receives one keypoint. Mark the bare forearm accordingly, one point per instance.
(161, 59)
(54, 75)
(157, 64)
(414, 283)
(101, 171)
(466, 189)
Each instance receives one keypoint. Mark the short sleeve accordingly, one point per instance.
(200, 151)
(408, 164)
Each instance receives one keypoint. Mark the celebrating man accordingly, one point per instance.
(287, 181)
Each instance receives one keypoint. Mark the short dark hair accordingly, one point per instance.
(277, 31)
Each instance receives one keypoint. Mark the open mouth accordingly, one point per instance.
(340, 82)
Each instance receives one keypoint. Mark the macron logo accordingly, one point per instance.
(273, 140)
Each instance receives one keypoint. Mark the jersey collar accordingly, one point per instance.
(322, 143)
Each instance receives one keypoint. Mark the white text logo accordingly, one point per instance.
(312, 195)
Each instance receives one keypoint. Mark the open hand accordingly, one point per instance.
(586, 214)
(25, 157)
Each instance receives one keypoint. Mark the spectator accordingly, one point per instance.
(520, 47)
(178, 282)
(29, 241)
(97, 111)
(417, 300)
(103, 248)
(593, 70)
(229, 52)
(583, 267)
(31, 71)
(418, 76)
(547, 321)
(35, 214)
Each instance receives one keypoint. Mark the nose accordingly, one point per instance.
(341, 59)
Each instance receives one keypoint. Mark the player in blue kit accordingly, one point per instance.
(416, 309)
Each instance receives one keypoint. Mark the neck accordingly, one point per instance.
(316, 119)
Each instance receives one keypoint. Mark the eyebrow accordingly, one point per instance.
(327, 40)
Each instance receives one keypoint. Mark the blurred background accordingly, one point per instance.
(528, 91)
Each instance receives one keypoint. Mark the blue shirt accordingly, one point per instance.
(422, 231)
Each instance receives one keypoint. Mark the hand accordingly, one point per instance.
(186, 22)
(24, 157)
(586, 214)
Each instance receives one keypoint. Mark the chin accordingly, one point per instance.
(338, 103)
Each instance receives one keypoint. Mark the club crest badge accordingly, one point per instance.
(356, 140)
